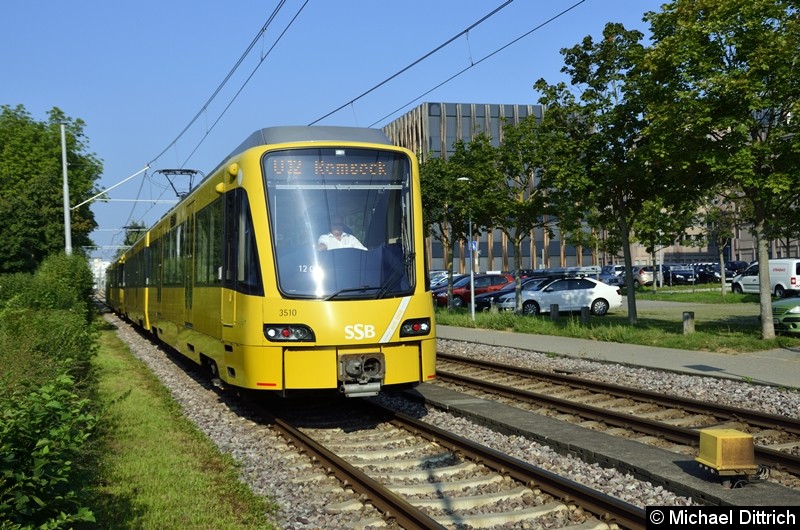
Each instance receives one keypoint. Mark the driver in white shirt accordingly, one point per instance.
(337, 237)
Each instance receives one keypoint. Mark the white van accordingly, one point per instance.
(784, 278)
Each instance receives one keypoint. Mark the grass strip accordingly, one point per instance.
(156, 470)
(728, 324)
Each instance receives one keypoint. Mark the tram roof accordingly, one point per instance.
(300, 133)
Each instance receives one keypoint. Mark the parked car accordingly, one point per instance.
(540, 273)
(710, 273)
(735, 267)
(617, 270)
(678, 275)
(784, 278)
(786, 315)
(462, 295)
(611, 278)
(642, 275)
(484, 302)
(442, 280)
(570, 294)
(436, 275)
(523, 273)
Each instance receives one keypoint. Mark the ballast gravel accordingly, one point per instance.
(764, 398)
(310, 500)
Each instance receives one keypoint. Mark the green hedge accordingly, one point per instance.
(47, 343)
(61, 282)
(41, 439)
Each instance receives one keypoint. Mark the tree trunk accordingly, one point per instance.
(626, 253)
(765, 290)
(722, 274)
(655, 269)
(518, 287)
(450, 277)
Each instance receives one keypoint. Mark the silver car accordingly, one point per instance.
(642, 275)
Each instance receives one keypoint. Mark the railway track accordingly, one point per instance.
(296, 452)
(668, 421)
(420, 476)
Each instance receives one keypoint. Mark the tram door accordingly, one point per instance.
(228, 301)
(188, 273)
(241, 274)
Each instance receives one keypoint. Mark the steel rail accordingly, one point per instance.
(671, 433)
(386, 501)
(605, 507)
(763, 455)
(760, 419)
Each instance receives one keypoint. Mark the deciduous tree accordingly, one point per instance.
(523, 204)
(31, 187)
(596, 165)
(724, 96)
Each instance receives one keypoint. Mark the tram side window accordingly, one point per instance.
(169, 257)
(208, 251)
(135, 270)
(242, 271)
(166, 252)
(130, 272)
(172, 256)
(155, 263)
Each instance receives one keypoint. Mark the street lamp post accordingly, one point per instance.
(67, 220)
(471, 271)
(471, 263)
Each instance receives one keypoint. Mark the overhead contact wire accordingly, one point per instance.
(473, 64)
(224, 81)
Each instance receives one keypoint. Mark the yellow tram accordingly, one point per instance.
(296, 265)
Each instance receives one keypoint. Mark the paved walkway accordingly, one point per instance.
(780, 367)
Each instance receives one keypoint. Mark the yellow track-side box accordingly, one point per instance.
(727, 451)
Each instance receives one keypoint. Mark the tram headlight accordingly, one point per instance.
(415, 327)
(289, 333)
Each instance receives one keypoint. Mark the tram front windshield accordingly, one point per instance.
(341, 222)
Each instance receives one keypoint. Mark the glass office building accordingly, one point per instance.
(430, 130)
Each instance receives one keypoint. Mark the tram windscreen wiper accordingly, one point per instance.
(396, 275)
(389, 283)
(363, 289)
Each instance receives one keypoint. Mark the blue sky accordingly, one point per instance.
(138, 73)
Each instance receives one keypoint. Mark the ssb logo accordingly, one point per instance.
(359, 331)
